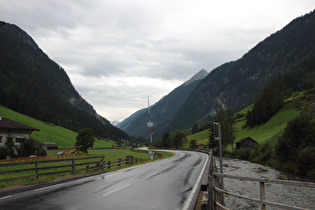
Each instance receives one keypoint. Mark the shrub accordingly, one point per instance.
(27, 147)
(306, 161)
(193, 144)
(41, 152)
(4, 152)
(243, 154)
(299, 134)
(265, 152)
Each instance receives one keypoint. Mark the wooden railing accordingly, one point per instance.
(215, 193)
(71, 166)
(262, 200)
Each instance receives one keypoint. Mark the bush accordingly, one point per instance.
(27, 147)
(299, 134)
(4, 152)
(41, 152)
(306, 161)
(193, 144)
(265, 152)
(244, 153)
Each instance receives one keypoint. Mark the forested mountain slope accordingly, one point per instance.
(161, 112)
(33, 84)
(236, 84)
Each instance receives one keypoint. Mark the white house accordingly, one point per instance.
(15, 130)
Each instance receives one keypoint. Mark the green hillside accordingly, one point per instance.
(201, 137)
(48, 132)
(267, 132)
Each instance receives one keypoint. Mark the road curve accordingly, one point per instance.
(164, 184)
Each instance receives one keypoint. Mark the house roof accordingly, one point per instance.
(243, 139)
(10, 124)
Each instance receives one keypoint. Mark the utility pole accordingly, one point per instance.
(150, 124)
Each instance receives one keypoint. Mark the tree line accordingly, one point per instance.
(171, 140)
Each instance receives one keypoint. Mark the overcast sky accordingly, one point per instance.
(118, 52)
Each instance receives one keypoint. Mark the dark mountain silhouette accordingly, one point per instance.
(35, 85)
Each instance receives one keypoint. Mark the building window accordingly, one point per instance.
(18, 140)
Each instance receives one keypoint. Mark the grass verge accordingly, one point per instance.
(110, 155)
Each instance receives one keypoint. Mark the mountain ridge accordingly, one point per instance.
(162, 111)
(235, 84)
(35, 85)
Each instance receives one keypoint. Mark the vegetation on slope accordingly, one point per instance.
(274, 145)
(48, 132)
(33, 84)
(238, 83)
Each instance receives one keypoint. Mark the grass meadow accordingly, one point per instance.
(63, 137)
(110, 155)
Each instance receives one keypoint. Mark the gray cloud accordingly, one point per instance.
(118, 52)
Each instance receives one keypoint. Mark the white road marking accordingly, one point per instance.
(115, 190)
(6, 197)
(44, 188)
(189, 200)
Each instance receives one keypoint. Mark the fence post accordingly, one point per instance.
(73, 165)
(119, 162)
(102, 162)
(36, 169)
(129, 160)
(210, 184)
(262, 195)
(108, 167)
(214, 183)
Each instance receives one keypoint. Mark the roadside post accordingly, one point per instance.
(221, 159)
(151, 154)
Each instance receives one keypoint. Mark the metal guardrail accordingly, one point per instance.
(214, 189)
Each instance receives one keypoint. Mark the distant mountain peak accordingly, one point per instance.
(200, 75)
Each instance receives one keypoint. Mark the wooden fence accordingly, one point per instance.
(71, 165)
(41, 157)
(213, 193)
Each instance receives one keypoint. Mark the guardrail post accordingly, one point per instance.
(210, 185)
(215, 194)
(262, 195)
(73, 165)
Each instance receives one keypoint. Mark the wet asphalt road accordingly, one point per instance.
(164, 184)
